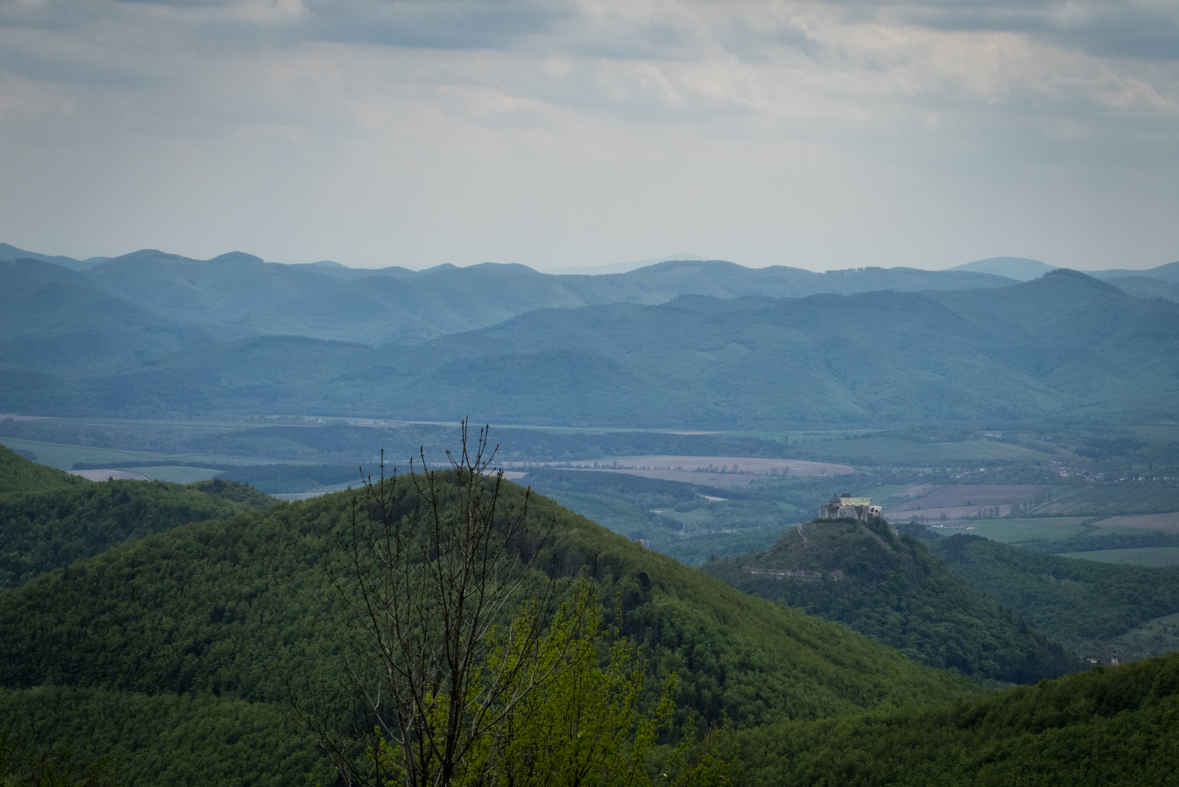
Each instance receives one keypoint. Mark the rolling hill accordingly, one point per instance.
(18, 475)
(52, 321)
(892, 589)
(1109, 727)
(204, 625)
(1083, 604)
(1066, 347)
(240, 293)
(1018, 268)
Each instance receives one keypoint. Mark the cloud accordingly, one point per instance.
(755, 106)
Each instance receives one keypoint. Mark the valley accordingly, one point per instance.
(675, 430)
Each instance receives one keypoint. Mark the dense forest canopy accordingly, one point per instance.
(893, 590)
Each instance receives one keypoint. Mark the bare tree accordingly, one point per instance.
(459, 665)
(429, 572)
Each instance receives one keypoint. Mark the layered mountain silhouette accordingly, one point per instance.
(1064, 346)
(705, 344)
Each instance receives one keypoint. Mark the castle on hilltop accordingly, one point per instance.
(847, 507)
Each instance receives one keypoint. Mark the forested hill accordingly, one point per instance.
(18, 474)
(49, 519)
(1110, 727)
(1065, 347)
(41, 531)
(893, 590)
(241, 292)
(224, 612)
(1081, 603)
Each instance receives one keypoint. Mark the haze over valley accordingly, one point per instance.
(357, 427)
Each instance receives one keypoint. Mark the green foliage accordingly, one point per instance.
(1110, 727)
(18, 474)
(228, 606)
(893, 590)
(51, 768)
(1077, 602)
(234, 492)
(40, 531)
(165, 739)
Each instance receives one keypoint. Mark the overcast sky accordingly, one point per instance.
(387, 132)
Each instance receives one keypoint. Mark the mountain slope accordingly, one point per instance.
(1018, 268)
(48, 529)
(1066, 346)
(227, 606)
(19, 475)
(12, 253)
(1168, 273)
(329, 301)
(1109, 727)
(1081, 603)
(891, 589)
(52, 320)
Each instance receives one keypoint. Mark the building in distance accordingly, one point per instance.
(847, 507)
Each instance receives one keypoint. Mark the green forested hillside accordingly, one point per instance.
(1080, 603)
(1031, 350)
(166, 739)
(893, 590)
(233, 608)
(399, 305)
(53, 321)
(41, 531)
(1109, 727)
(18, 474)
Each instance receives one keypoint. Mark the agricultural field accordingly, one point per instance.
(933, 503)
(1014, 531)
(896, 451)
(1109, 500)
(176, 474)
(1151, 557)
(1167, 523)
(109, 475)
(65, 457)
(721, 472)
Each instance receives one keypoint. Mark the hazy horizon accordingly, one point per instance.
(819, 135)
(607, 267)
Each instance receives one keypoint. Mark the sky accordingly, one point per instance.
(556, 134)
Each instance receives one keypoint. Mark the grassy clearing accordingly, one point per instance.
(895, 451)
(1129, 524)
(1151, 557)
(1109, 500)
(1013, 531)
(1153, 638)
(177, 474)
(64, 456)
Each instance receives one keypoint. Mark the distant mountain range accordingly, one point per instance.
(1065, 346)
(1018, 268)
(240, 295)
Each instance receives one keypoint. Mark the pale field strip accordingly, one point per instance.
(1166, 522)
(108, 475)
(957, 501)
(716, 471)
